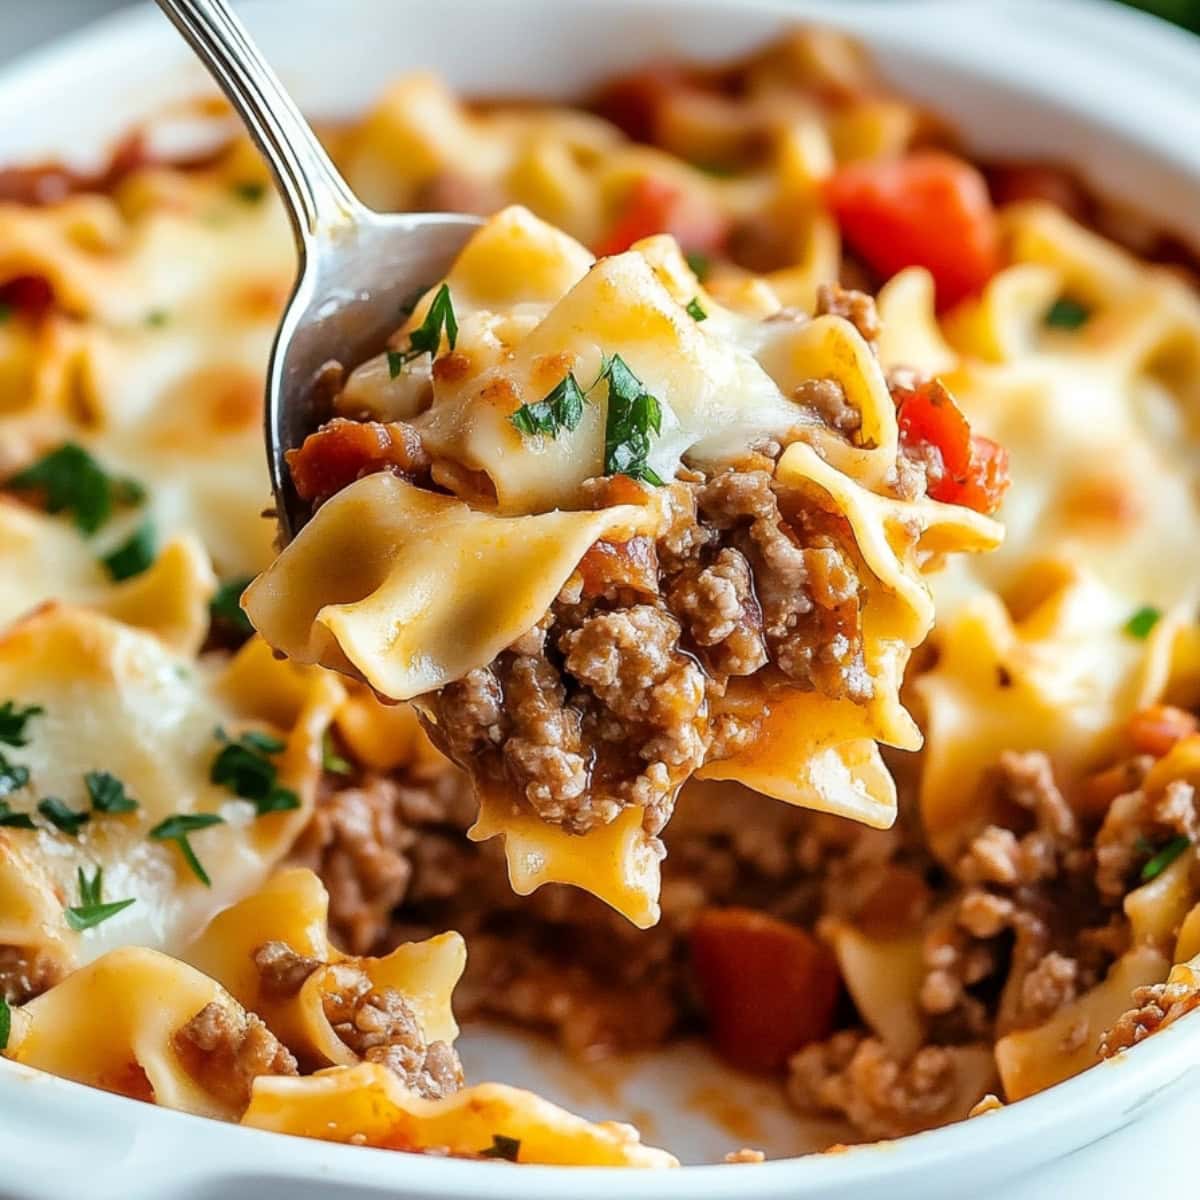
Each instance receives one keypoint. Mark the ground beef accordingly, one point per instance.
(856, 307)
(1135, 826)
(362, 842)
(378, 1026)
(620, 693)
(26, 972)
(226, 1050)
(826, 400)
(342, 451)
(1153, 1008)
(281, 970)
(854, 1076)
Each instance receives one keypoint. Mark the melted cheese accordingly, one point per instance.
(116, 700)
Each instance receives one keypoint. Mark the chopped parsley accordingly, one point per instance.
(502, 1147)
(1142, 622)
(331, 760)
(91, 909)
(108, 794)
(156, 318)
(12, 777)
(249, 191)
(62, 817)
(1066, 313)
(700, 264)
(14, 820)
(633, 414)
(13, 721)
(5, 1023)
(1164, 858)
(134, 555)
(427, 337)
(695, 310)
(245, 768)
(73, 481)
(5, 312)
(561, 409)
(176, 829)
(224, 606)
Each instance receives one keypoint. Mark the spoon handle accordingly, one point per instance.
(316, 196)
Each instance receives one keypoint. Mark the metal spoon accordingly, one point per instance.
(357, 267)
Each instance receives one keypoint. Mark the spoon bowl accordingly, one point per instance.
(359, 270)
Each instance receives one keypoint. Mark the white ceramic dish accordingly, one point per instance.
(1077, 80)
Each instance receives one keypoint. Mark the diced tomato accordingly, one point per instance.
(768, 987)
(633, 563)
(928, 210)
(653, 206)
(1156, 729)
(632, 102)
(342, 451)
(29, 295)
(975, 468)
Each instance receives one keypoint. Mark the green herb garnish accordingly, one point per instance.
(108, 794)
(5, 1023)
(91, 909)
(243, 766)
(633, 414)
(12, 777)
(700, 264)
(74, 482)
(13, 721)
(561, 409)
(695, 311)
(176, 829)
(249, 191)
(332, 761)
(62, 817)
(156, 318)
(1164, 858)
(427, 337)
(224, 605)
(1142, 622)
(502, 1147)
(5, 312)
(1066, 313)
(14, 820)
(134, 555)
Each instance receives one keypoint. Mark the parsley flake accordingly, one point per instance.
(12, 777)
(156, 318)
(1142, 622)
(5, 312)
(1066, 313)
(13, 721)
(331, 760)
(633, 414)
(695, 310)
(1164, 858)
(134, 555)
(700, 264)
(427, 337)
(108, 794)
(73, 481)
(5, 1023)
(502, 1147)
(224, 606)
(249, 191)
(91, 909)
(14, 820)
(176, 829)
(561, 409)
(243, 766)
(61, 817)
